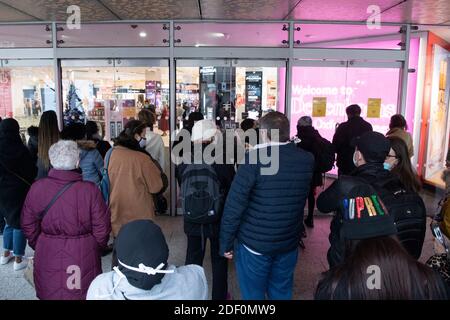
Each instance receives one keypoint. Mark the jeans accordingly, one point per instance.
(311, 203)
(14, 240)
(2, 224)
(262, 276)
(195, 254)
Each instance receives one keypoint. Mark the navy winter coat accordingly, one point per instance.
(265, 212)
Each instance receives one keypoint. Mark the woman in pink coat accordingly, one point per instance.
(69, 237)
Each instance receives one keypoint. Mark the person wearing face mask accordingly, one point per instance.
(370, 151)
(133, 176)
(67, 223)
(143, 272)
(399, 162)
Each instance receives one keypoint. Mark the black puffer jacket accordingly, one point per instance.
(264, 210)
(17, 172)
(346, 131)
(411, 232)
(309, 138)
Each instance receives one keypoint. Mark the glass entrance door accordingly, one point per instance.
(111, 92)
(340, 84)
(228, 91)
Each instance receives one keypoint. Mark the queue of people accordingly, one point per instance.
(252, 215)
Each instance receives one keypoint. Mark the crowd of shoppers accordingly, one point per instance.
(51, 196)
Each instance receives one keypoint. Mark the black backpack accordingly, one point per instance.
(201, 196)
(324, 155)
(409, 214)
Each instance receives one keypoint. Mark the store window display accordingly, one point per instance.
(113, 96)
(228, 94)
(25, 93)
(439, 128)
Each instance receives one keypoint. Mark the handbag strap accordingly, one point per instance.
(15, 174)
(56, 197)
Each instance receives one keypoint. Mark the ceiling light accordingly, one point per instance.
(197, 45)
(218, 34)
(142, 34)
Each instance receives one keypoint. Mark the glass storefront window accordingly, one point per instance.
(439, 123)
(26, 91)
(26, 36)
(112, 92)
(229, 91)
(342, 86)
(346, 36)
(210, 34)
(113, 95)
(115, 35)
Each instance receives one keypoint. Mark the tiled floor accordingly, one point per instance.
(312, 261)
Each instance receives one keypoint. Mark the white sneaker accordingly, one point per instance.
(21, 265)
(4, 260)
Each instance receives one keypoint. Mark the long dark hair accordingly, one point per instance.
(404, 169)
(401, 276)
(48, 134)
(398, 121)
(91, 130)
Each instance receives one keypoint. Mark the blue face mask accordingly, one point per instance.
(142, 143)
(387, 166)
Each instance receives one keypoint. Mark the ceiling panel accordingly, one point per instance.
(154, 9)
(50, 10)
(420, 12)
(415, 11)
(343, 10)
(247, 9)
(9, 14)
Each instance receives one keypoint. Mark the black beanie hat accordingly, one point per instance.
(373, 145)
(141, 241)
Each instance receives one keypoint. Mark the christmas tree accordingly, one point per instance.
(74, 112)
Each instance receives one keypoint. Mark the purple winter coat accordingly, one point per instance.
(72, 233)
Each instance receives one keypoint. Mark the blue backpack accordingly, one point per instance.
(105, 184)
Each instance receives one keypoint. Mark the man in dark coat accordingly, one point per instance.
(17, 173)
(264, 212)
(354, 127)
(309, 139)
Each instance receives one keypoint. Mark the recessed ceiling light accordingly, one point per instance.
(142, 34)
(197, 45)
(218, 34)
